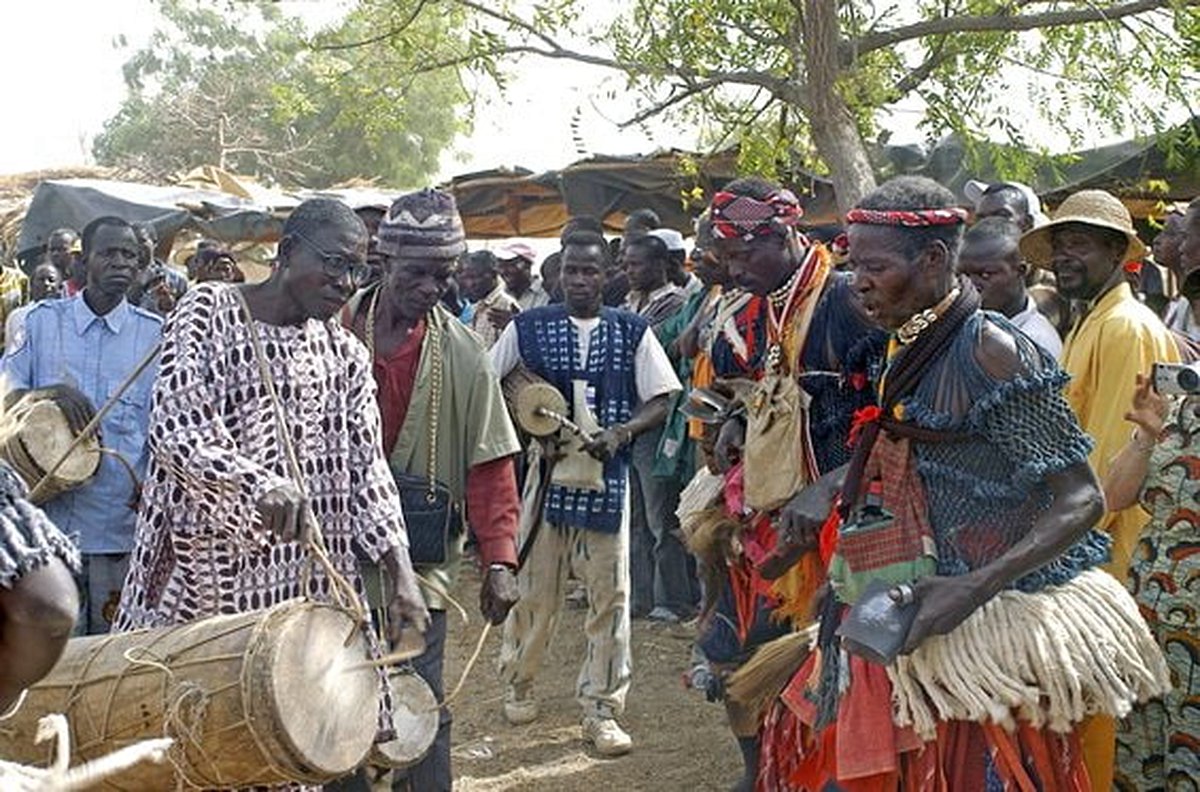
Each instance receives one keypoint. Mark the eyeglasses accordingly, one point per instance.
(336, 266)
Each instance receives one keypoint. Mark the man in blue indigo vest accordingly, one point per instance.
(618, 382)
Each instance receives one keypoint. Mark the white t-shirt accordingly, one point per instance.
(1180, 318)
(653, 372)
(1032, 323)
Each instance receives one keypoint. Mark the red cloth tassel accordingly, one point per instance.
(827, 540)
(862, 416)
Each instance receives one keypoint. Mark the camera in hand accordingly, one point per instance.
(1174, 379)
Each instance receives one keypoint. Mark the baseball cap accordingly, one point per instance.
(516, 250)
(974, 190)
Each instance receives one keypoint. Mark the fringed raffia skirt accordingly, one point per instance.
(995, 701)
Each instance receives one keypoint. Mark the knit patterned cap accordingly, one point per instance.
(423, 224)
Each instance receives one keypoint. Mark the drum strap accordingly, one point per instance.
(341, 589)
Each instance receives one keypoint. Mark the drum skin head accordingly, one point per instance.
(46, 436)
(541, 395)
(415, 718)
(328, 708)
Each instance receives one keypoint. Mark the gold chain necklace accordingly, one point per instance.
(433, 337)
(920, 321)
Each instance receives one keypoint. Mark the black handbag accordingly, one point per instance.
(431, 516)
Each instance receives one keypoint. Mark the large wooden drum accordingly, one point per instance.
(38, 439)
(261, 698)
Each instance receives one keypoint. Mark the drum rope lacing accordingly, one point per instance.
(184, 705)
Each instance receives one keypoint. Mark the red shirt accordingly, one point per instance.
(395, 377)
(493, 505)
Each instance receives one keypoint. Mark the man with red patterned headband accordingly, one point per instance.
(802, 347)
(968, 628)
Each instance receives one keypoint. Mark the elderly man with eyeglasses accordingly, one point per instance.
(223, 517)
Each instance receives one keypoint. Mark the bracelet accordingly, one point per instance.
(498, 566)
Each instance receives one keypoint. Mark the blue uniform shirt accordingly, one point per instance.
(64, 343)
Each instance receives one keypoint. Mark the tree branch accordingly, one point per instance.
(389, 33)
(660, 107)
(1003, 23)
(777, 86)
(922, 72)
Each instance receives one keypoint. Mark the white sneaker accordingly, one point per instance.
(520, 707)
(606, 736)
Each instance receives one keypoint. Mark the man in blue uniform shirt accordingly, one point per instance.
(79, 351)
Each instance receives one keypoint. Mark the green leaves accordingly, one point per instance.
(1026, 73)
(249, 88)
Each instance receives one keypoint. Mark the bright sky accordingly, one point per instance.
(64, 80)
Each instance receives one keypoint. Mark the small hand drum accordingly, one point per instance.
(528, 396)
(38, 442)
(534, 405)
(415, 718)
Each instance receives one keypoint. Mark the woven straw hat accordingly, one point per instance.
(1088, 207)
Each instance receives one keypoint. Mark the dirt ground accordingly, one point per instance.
(680, 741)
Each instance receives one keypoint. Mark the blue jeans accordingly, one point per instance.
(433, 772)
(100, 584)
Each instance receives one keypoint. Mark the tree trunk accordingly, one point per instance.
(834, 132)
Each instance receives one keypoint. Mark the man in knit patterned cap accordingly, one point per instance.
(443, 418)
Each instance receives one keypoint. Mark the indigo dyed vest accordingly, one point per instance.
(549, 345)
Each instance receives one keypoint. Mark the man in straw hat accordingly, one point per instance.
(80, 351)
(962, 531)
(229, 503)
(441, 407)
(1116, 338)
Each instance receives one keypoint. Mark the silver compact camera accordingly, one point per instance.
(1177, 379)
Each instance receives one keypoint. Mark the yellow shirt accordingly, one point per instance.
(1119, 339)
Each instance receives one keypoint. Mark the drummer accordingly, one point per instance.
(223, 516)
(79, 352)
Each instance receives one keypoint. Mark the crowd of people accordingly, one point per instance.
(921, 489)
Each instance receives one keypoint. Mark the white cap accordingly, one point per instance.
(974, 190)
(670, 237)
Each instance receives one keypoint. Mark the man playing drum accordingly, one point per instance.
(223, 517)
(80, 352)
